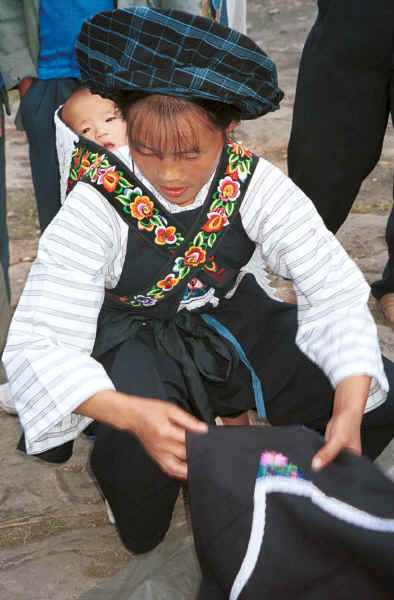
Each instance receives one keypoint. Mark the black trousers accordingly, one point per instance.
(344, 95)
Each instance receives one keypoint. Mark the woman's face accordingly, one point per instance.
(178, 175)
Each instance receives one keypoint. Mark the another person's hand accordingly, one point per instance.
(24, 85)
(343, 429)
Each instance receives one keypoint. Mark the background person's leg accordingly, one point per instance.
(386, 285)
(38, 106)
(341, 105)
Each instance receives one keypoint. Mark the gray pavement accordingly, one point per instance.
(55, 539)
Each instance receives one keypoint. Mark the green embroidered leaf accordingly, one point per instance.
(244, 168)
(145, 224)
(124, 182)
(233, 161)
(183, 271)
(199, 239)
(155, 290)
(216, 203)
(230, 208)
(156, 220)
(211, 239)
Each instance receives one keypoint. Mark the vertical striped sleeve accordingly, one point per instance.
(48, 352)
(336, 329)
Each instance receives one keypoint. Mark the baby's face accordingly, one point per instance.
(97, 119)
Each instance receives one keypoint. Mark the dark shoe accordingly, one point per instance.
(57, 455)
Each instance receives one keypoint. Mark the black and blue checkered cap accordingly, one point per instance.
(178, 54)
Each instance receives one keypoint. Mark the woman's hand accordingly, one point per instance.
(160, 426)
(343, 429)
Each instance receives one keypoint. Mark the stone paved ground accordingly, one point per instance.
(55, 540)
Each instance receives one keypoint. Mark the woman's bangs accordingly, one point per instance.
(165, 125)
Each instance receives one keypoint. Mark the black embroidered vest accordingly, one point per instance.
(172, 258)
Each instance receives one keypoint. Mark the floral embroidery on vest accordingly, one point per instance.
(140, 208)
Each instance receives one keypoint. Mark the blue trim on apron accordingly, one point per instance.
(226, 333)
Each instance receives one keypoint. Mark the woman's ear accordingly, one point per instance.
(231, 128)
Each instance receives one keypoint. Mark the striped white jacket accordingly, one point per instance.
(47, 356)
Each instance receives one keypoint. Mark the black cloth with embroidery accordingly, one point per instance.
(267, 526)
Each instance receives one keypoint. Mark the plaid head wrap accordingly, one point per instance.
(177, 54)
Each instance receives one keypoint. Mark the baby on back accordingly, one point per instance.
(97, 119)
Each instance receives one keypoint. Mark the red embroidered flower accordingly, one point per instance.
(141, 208)
(194, 256)
(110, 180)
(168, 282)
(228, 189)
(216, 221)
(165, 235)
(76, 157)
(195, 284)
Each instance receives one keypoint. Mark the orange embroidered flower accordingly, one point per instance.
(165, 235)
(216, 222)
(110, 180)
(228, 189)
(168, 282)
(141, 208)
(194, 256)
